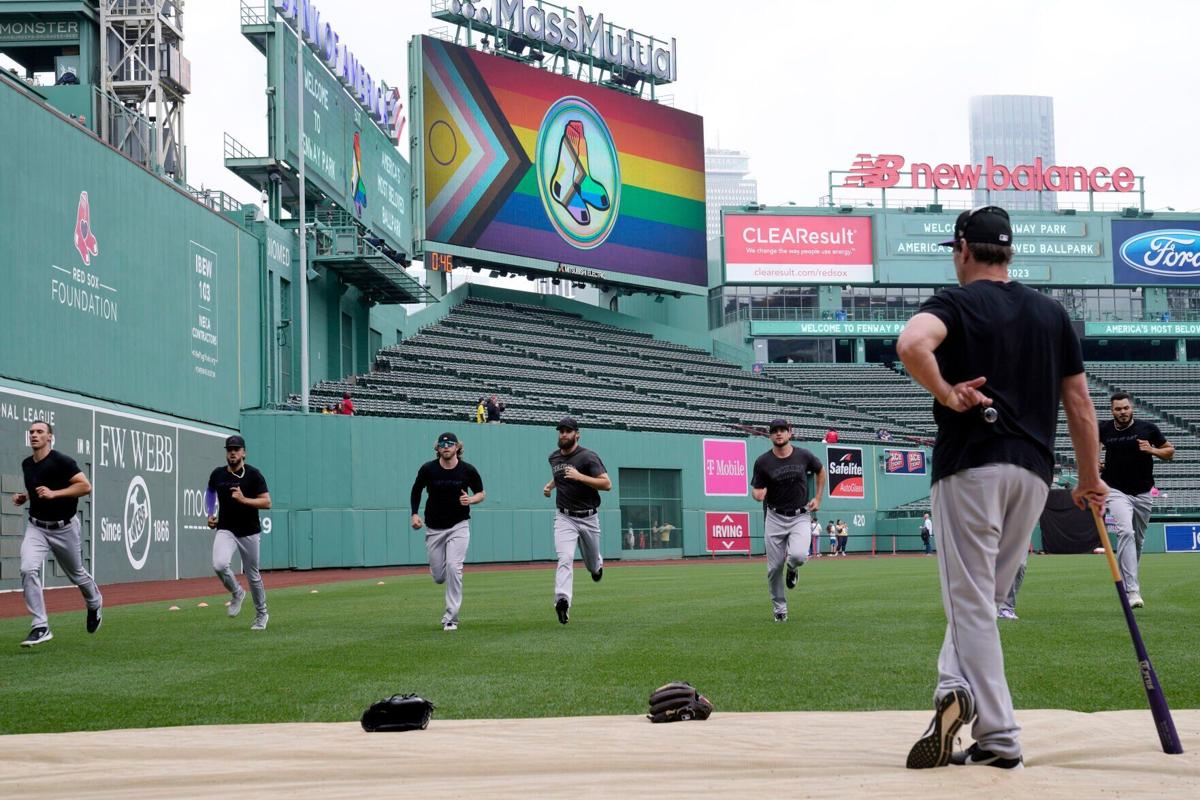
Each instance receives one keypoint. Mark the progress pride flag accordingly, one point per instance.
(772, 248)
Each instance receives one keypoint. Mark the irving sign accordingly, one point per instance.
(883, 172)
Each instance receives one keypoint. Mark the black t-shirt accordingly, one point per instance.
(1023, 343)
(573, 495)
(494, 410)
(1126, 468)
(442, 509)
(785, 479)
(54, 472)
(237, 518)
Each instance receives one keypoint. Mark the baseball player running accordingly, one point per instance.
(1130, 447)
(241, 492)
(454, 486)
(780, 483)
(53, 485)
(991, 343)
(578, 477)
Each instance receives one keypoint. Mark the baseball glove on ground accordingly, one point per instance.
(400, 712)
(678, 702)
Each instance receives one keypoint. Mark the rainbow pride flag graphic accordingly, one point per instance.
(526, 162)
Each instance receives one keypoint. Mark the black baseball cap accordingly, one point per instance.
(983, 225)
(778, 423)
(447, 437)
(568, 423)
(234, 442)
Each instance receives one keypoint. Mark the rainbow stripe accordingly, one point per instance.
(484, 105)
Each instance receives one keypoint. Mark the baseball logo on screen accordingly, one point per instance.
(137, 522)
(578, 174)
(846, 473)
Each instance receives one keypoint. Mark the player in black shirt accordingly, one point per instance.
(240, 492)
(780, 483)
(454, 486)
(1130, 447)
(991, 344)
(579, 476)
(53, 485)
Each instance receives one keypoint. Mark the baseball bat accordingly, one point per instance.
(1167, 735)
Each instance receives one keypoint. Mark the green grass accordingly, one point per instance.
(863, 635)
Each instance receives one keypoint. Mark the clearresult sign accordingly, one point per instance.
(781, 249)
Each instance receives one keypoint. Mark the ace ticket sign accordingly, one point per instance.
(727, 532)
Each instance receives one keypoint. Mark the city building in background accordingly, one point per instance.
(1013, 129)
(727, 182)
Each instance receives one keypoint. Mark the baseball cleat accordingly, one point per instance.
(260, 622)
(235, 605)
(976, 756)
(561, 608)
(1135, 600)
(934, 748)
(598, 574)
(791, 577)
(781, 616)
(449, 626)
(94, 618)
(37, 636)
(1006, 613)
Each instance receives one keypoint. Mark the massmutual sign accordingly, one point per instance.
(558, 28)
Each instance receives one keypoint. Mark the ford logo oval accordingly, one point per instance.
(1174, 253)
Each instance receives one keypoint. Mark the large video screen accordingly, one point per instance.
(529, 163)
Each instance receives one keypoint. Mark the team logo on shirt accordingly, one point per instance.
(846, 477)
(138, 522)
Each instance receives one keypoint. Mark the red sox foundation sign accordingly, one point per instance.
(883, 172)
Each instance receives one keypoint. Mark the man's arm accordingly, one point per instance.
(601, 483)
(262, 502)
(1081, 422)
(1165, 451)
(922, 335)
(78, 487)
(815, 503)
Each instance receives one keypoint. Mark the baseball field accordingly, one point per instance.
(863, 635)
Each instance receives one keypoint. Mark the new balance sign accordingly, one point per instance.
(727, 532)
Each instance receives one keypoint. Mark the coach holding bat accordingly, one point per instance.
(994, 345)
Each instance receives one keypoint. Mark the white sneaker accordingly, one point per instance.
(449, 626)
(1135, 600)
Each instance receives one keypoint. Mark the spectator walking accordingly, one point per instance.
(481, 411)
(814, 547)
(927, 534)
(494, 408)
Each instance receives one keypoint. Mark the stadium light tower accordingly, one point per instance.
(144, 76)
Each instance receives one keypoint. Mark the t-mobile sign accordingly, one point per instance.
(727, 532)
(725, 468)
(776, 249)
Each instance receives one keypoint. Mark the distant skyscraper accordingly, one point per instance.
(1013, 129)
(726, 183)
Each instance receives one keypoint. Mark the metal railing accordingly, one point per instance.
(235, 149)
(214, 199)
(254, 12)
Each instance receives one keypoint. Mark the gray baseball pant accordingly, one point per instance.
(567, 532)
(1010, 600)
(786, 540)
(66, 546)
(447, 550)
(1131, 513)
(987, 516)
(224, 546)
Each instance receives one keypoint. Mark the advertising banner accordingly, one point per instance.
(525, 162)
(904, 462)
(727, 532)
(846, 479)
(780, 249)
(1182, 538)
(144, 519)
(726, 469)
(1156, 252)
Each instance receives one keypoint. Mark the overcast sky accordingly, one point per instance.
(803, 86)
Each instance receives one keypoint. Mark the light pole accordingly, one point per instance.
(302, 227)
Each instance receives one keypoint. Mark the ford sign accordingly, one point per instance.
(1172, 252)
